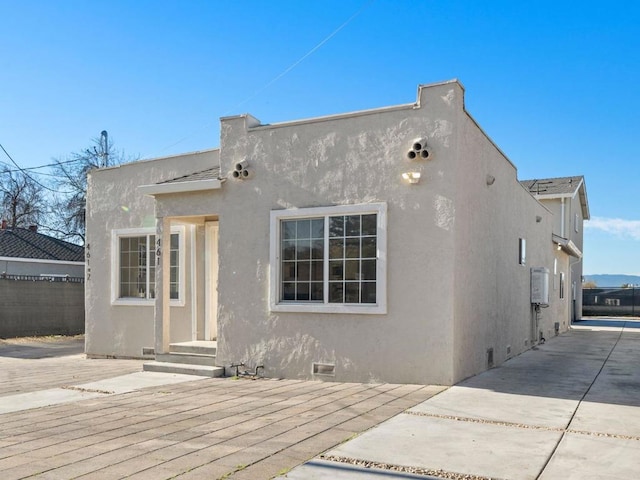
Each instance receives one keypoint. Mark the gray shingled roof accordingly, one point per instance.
(23, 243)
(553, 186)
(561, 187)
(208, 174)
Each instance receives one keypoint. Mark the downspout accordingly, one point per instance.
(562, 217)
(574, 291)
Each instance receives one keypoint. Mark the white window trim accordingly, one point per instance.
(277, 216)
(115, 266)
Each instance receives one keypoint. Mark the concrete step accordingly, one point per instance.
(201, 370)
(198, 347)
(187, 358)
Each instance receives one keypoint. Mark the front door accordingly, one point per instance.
(211, 281)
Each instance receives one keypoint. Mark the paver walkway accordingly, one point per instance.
(31, 365)
(200, 429)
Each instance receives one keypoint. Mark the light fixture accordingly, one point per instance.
(411, 177)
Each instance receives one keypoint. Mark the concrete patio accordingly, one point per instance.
(197, 428)
(569, 409)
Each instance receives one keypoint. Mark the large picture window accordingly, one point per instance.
(135, 266)
(329, 259)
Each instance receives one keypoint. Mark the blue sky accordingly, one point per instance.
(554, 84)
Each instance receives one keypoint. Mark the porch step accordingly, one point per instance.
(187, 358)
(167, 367)
(198, 347)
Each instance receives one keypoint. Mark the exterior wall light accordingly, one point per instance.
(411, 177)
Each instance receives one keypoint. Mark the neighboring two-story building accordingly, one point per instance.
(566, 197)
(387, 245)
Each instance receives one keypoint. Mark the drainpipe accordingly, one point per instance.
(562, 218)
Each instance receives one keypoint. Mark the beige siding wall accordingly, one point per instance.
(572, 207)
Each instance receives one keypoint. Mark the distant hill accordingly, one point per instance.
(607, 280)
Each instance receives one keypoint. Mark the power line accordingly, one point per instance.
(43, 166)
(24, 172)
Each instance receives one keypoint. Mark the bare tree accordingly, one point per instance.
(23, 198)
(69, 206)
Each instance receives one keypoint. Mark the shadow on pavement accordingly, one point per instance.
(602, 362)
(35, 349)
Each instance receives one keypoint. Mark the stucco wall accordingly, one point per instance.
(454, 286)
(114, 202)
(492, 289)
(347, 159)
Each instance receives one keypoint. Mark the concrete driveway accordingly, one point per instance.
(570, 409)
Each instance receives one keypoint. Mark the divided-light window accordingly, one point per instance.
(137, 267)
(329, 258)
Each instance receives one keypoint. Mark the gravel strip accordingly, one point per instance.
(522, 425)
(479, 420)
(404, 469)
(601, 434)
(87, 390)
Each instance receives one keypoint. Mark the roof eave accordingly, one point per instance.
(566, 246)
(180, 187)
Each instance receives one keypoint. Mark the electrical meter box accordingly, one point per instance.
(540, 286)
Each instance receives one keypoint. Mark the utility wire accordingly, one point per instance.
(24, 172)
(280, 75)
(31, 169)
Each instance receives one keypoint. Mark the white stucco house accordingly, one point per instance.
(387, 245)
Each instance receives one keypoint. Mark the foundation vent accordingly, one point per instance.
(324, 369)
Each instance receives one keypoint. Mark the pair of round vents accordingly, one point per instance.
(419, 150)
